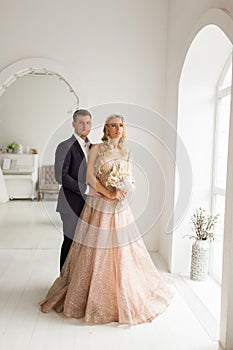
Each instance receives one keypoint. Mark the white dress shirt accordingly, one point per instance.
(85, 148)
(84, 145)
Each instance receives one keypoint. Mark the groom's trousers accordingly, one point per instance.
(69, 225)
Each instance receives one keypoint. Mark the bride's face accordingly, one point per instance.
(115, 128)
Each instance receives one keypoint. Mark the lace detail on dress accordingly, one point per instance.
(105, 162)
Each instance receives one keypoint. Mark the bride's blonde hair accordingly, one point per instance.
(106, 146)
(106, 129)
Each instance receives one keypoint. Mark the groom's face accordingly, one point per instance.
(82, 125)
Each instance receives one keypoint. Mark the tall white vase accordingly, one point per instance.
(200, 260)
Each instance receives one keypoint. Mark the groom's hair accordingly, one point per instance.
(81, 112)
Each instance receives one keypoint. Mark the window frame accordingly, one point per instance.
(216, 190)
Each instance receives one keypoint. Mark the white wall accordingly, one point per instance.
(115, 50)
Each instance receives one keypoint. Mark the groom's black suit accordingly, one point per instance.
(70, 172)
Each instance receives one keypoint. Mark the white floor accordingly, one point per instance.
(29, 252)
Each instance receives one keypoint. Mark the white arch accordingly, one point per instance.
(24, 66)
(224, 20)
(217, 16)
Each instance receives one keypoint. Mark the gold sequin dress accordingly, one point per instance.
(108, 275)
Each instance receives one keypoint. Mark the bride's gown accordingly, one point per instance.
(108, 274)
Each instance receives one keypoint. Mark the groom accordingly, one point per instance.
(70, 172)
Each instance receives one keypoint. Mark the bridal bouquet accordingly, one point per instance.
(120, 177)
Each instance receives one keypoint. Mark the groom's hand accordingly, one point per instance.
(93, 192)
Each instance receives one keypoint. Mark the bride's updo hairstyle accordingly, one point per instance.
(106, 130)
(106, 138)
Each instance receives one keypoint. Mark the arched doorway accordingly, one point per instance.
(196, 121)
(36, 97)
(202, 189)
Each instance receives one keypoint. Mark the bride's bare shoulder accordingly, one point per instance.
(94, 149)
(94, 145)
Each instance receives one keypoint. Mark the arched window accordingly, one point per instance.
(220, 151)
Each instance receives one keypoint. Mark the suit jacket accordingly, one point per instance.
(70, 172)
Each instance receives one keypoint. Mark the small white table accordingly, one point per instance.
(22, 176)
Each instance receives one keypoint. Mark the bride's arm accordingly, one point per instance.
(91, 178)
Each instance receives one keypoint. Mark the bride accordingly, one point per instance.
(108, 275)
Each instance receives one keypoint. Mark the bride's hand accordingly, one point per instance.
(120, 195)
(117, 195)
(112, 195)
